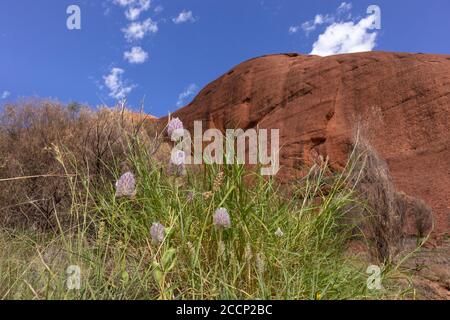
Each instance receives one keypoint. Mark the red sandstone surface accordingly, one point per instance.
(401, 101)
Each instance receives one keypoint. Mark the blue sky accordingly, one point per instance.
(175, 47)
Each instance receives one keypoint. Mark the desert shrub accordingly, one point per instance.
(384, 212)
(34, 135)
(384, 218)
(419, 216)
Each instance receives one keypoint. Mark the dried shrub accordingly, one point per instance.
(419, 216)
(386, 212)
(92, 143)
(383, 219)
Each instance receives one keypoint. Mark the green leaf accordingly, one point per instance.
(125, 277)
(158, 275)
(167, 258)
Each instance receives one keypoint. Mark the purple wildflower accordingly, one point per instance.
(222, 218)
(126, 185)
(174, 125)
(190, 196)
(178, 157)
(176, 164)
(279, 233)
(157, 232)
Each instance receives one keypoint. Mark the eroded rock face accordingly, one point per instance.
(400, 102)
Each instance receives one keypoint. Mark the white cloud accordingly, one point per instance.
(311, 25)
(124, 3)
(118, 89)
(318, 20)
(184, 16)
(323, 19)
(5, 94)
(346, 37)
(293, 29)
(138, 30)
(341, 33)
(344, 7)
(134, 8)
(158, 9)
(132, 13)
(136, 55)
(188, 92)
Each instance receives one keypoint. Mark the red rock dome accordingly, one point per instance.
(401, 100)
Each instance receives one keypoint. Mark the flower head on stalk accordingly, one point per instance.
(126, 185)
(222, 219)
(157, 233)
(175, 125)
(190, 196)
(279, 233)
(177, 163)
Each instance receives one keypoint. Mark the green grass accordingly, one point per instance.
(109, 240)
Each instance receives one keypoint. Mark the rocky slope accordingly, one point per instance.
(400, 102)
